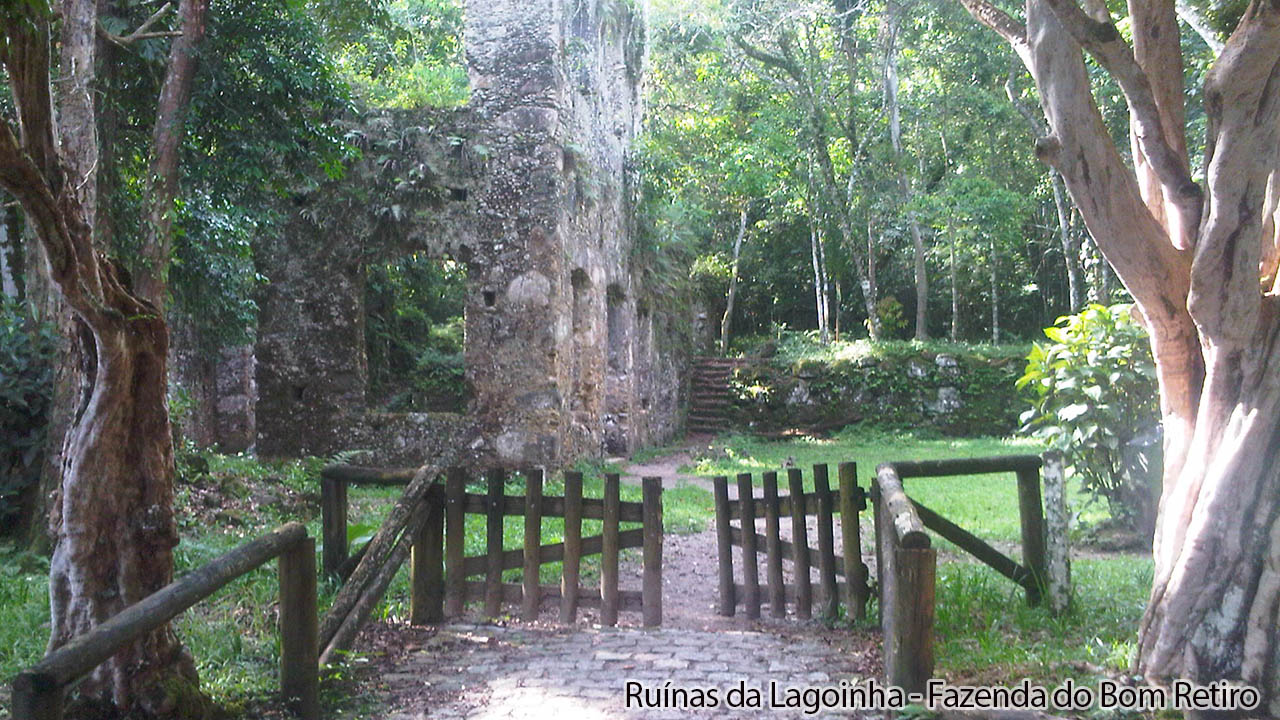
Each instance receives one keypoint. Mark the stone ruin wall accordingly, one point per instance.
(566, 352)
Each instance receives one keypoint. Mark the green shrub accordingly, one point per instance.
(1093, 394)
(26, 388)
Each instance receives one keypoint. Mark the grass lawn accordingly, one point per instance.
(986, 632)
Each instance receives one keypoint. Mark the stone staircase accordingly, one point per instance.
(710, 398)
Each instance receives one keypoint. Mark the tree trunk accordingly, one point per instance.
(113, 515)
(1192, 259)
(995, 299)
(922, 282)
(955, 291)
(817, 284)
(1070, 255)
(727, 320)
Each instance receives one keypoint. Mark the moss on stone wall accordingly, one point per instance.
(959, 391)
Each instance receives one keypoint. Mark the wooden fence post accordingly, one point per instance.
(426, 571)
(572, 547)
(333, 523)
(773, 546)
(800, 545)
(724, 546)
(909, 647)
(299, 629)
(1032, 516)
(36, 697)
(750, 567)
(455, 596)
(609, 551)
(852, 502)
(495, 505)
(826, 544)
(1057, 529)
(531, 596)
(652, 587)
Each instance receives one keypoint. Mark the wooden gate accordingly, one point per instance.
(849, 500)
(906, 562)
(440, 568)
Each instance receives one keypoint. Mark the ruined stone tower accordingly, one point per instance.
(564, 352)
(553, 322)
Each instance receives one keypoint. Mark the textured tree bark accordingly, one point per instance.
(113, 515)
(1194, 268)
(727, 320)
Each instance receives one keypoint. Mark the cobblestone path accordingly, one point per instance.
(544, 670)
(484, 671)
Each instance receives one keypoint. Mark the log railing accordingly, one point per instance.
(440, 587)
(907, 565)
(907, 561)
(38, 691)
(849, 500)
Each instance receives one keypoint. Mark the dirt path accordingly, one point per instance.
(472, 669)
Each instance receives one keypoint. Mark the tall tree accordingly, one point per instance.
(113, 517)
(1201, 262)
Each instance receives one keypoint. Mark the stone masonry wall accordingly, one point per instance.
(565, 354)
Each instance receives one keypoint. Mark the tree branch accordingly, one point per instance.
(1014, 32)
(779, 62)
(1103, 41)
(143, 31)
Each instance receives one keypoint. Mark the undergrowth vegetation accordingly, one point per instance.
(986, 633)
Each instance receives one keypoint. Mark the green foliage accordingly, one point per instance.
(413, 58)
(1093, 391)
(26, 390)
(887, 385)
(892, 322)
(413, 334)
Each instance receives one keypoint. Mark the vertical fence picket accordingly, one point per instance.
(800, 545)
(426, 604)
(855, 572)
(826, 543)
(531, 597)
(1031, 514)
(493, 545)
(651, 590)
(750, 568)
(572, 547)
(333, 523)
(724, 546)
(455, 595)
(609, 552)
(773, 547)
(299, 629)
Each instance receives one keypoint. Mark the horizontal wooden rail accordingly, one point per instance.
(966, 466)
(587, 597)
(811, 503)
(785, 548)
(37, 691)
(554, 552)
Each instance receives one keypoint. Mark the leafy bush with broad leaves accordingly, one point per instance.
(1094, 397)
(26, 389)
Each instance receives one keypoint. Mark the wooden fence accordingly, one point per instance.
(440, 569)
(906, 564)
(849, 500)
(906, 561)
(38, 692)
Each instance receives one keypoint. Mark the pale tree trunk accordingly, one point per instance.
(818, 294)
(837, 204)
(1192, 261)
(1070, 257)
(890, 83)
(1070, 254)
(995, 299)
(955, 289)
(113, 514)
(727, 320)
